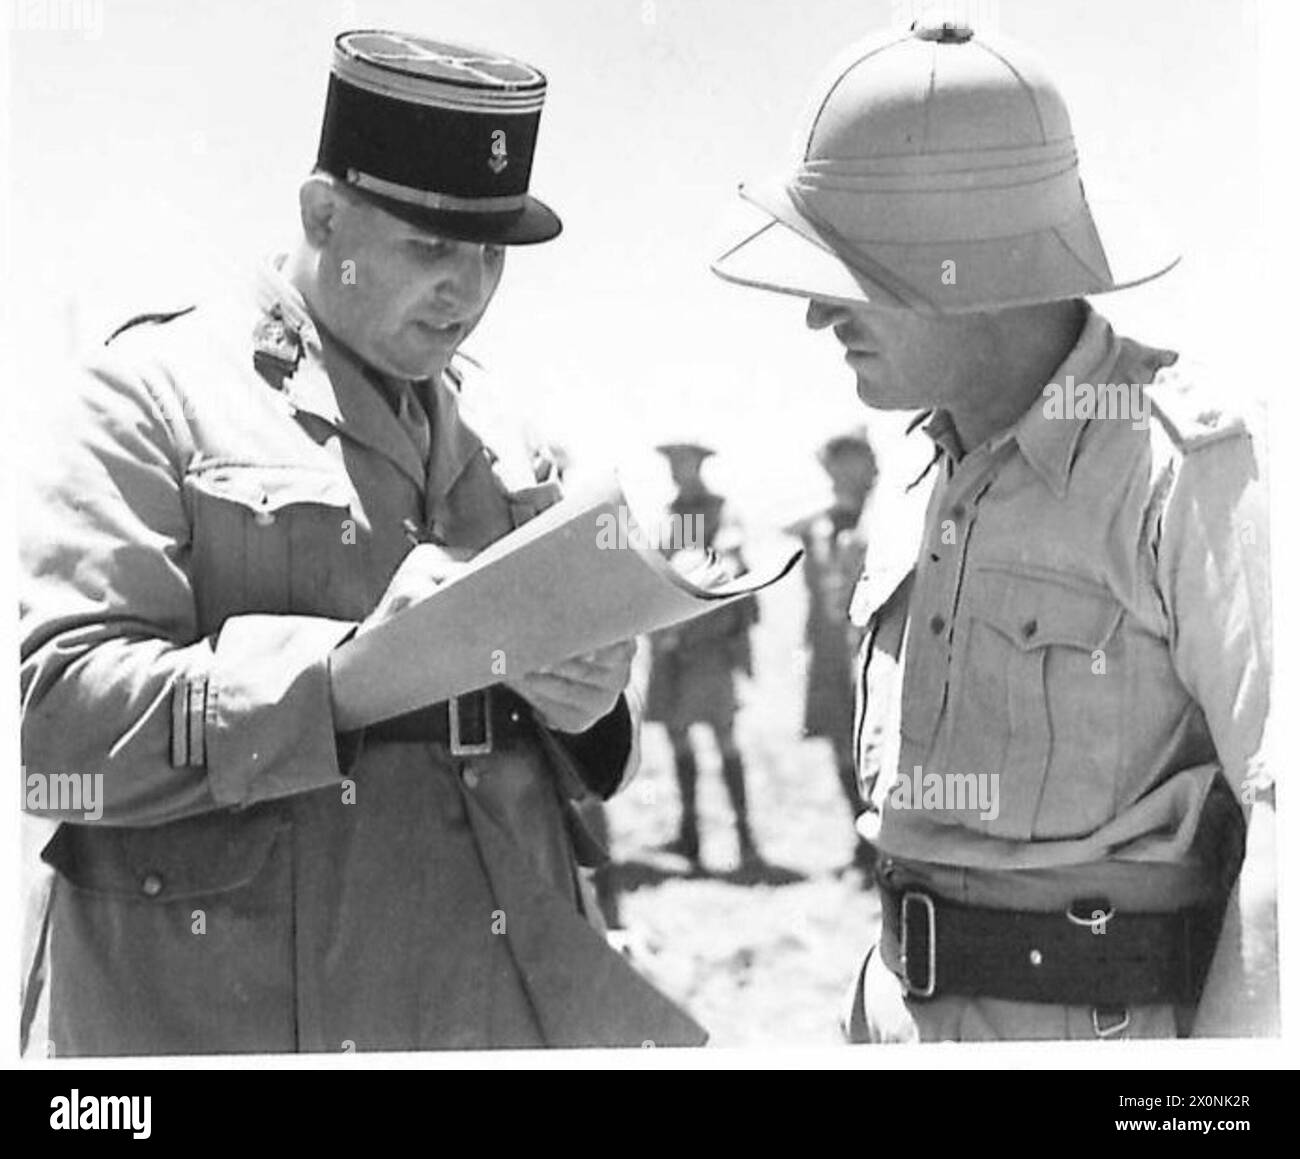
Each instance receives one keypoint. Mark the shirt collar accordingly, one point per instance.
(1050, 443)
(326, 379)
(364, 413)
(1047, 443)
(455, 441)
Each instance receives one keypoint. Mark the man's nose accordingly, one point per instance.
(463, 282)
(822, 313)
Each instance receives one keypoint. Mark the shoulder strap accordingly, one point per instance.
(1191, 415)
(157, 318)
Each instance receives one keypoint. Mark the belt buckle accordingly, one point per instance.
(1115, 1028)
(456, 743)
(905, 958)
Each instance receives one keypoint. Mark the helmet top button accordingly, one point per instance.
(947, 32)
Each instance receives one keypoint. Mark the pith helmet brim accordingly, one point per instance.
(1106, 246)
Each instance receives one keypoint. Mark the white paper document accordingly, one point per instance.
(578, 577)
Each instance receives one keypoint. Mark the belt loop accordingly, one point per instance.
(477, 710)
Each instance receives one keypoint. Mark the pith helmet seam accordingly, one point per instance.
(1024, 84)
(839, 80)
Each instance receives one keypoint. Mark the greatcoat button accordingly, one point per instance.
(469, 774)
(151, 885)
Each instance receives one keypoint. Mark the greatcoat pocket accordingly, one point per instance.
(264, 536)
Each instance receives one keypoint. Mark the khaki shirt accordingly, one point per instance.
(1085, 630)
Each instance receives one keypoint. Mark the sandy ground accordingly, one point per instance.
(762, 960)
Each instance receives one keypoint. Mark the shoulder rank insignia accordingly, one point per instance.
(1190, 413)
(276, 348)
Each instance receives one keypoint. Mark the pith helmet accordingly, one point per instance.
(938, 173)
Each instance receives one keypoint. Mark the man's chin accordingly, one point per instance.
(878, 397)
(416, 365)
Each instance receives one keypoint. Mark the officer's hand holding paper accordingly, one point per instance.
(546, 610)
(425, 568)
(573, 695)
(570, 696)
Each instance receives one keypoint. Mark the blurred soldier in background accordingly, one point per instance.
(834, 550)
(692, 676)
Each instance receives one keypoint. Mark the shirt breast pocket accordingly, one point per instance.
(265, 537)
(1034, 701)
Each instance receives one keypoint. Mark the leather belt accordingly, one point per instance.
(1089, 955)
(469, 725)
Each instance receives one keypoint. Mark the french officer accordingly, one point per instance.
(230, 494)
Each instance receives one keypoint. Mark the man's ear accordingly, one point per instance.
(320, 203)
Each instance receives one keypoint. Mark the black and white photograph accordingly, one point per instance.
(636, 533)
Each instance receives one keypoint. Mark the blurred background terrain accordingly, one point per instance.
(759, 958)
